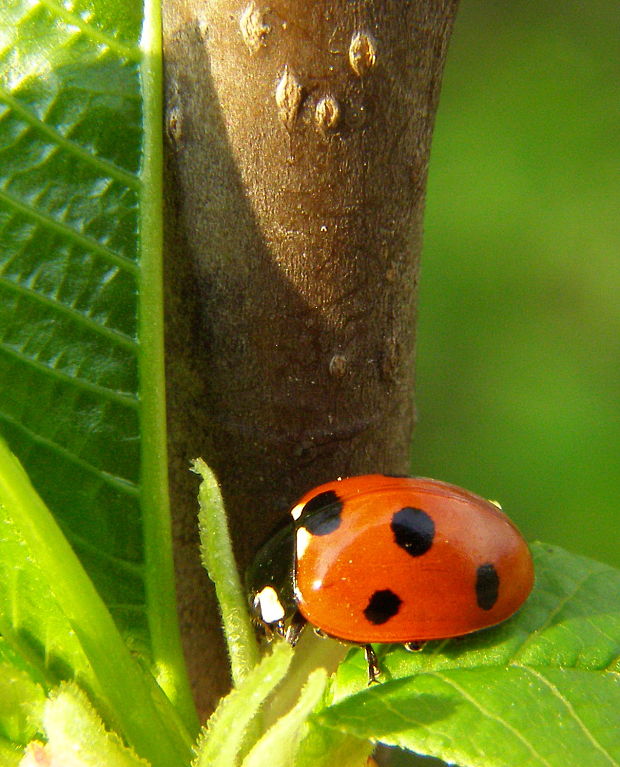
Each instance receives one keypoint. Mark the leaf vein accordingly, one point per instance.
(80, 543)
(121, 484)
(569, 707)
(116, 336)
(133, 54)
(409, 720)
(552, 614)
(490, 715)
(108, 168)
(105, 393)
(69, 233)
(608, 668)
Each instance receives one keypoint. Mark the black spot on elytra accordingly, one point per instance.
(487, 586)
(321, 515)
(413, 530)
(383, 605)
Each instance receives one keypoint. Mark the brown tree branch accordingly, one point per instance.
(299, 136)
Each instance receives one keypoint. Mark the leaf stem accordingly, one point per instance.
(219, 561)
(170, 667)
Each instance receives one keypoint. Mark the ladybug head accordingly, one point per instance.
(269, 583)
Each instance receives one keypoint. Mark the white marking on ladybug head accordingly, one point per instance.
(268, 605)
(302, 541)
(497, 504)
(296, 511)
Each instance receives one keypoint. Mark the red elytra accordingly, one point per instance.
(401, 559)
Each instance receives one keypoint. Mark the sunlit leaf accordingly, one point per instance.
(54, 626)
(76, 737)
(225, 734)
(278, 746)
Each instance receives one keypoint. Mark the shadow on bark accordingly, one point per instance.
(292, 242)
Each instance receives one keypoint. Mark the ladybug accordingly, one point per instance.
(379, 558)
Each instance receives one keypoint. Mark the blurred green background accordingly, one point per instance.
(519, 319)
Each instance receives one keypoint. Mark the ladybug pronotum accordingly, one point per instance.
(390, 559)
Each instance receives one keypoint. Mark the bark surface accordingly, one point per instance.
(298, 144)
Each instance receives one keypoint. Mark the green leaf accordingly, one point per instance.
(10, 754)
(278, 746)
(524, 716)
(222, 740)
(81, 360)
(76, 736)
(11, 657)
(21, 704)
(541, 689)
(326, 747)
(54, 626)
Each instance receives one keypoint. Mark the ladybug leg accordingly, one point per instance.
(275, 629)
(414, 646)
(296, 626)
(373, 664)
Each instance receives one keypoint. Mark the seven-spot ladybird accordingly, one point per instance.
(390, 559)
